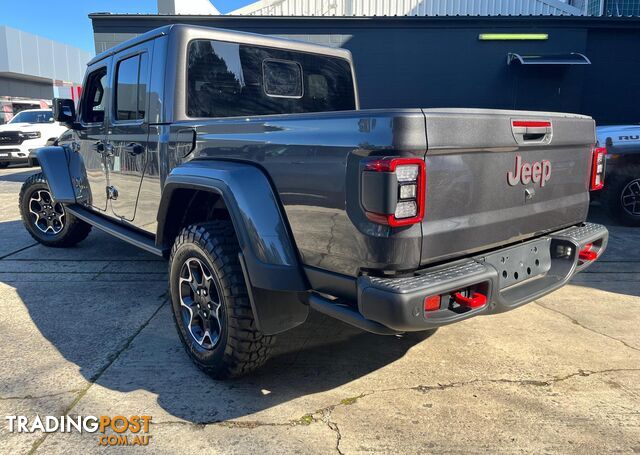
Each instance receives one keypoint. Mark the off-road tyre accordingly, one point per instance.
(69, 232)
(619, 184)
(240, 347)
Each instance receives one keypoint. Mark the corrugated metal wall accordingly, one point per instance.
(413, 8)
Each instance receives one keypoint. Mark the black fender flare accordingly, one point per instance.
(269, 258)
(270, 254)
(54, 162)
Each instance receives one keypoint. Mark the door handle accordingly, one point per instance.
(134, 149)
(104, 149)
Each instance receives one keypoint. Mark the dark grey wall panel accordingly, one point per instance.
(611, 88)
(22, 88)
(440, 62)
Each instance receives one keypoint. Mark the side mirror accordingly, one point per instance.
(64, 111)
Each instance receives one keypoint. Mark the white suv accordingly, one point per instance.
(25, 133)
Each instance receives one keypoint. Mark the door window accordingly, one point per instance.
(131, 88)
(92, 107)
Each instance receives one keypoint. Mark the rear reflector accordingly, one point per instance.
(432, 303)
(597, 168)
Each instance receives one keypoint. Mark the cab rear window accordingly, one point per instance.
(231, 80)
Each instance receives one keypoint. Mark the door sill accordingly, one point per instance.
(115, 229)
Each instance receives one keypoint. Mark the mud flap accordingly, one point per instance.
(275, 311)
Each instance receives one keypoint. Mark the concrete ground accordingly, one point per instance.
(88, 331)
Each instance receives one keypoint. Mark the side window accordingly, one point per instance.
(92, 107)
(216, 79)
(231, 80)
(130, 96)
(282, 78)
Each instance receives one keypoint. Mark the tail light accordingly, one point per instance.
(393, 191)
(597, 168)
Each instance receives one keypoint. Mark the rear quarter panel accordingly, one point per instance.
(313, 161)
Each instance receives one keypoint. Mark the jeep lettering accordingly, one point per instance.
(537, 172)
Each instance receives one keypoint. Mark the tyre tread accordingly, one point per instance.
(247, 347)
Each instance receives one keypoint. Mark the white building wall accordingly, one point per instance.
(410, 8)
(186, 7)
(27, 56)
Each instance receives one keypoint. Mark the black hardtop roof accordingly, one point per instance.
(224, 35)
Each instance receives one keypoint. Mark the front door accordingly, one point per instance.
(128, 129)
(91, 137)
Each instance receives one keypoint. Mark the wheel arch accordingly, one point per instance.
(244, 192)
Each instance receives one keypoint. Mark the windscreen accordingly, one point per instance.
(231, 80)
(33, 117)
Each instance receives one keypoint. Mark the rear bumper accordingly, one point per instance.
(509, 278)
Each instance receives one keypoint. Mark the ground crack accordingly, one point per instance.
(334, 427)
(533, 382)
(249, 425)
(576, 322)
(18, 251)
(323, 415)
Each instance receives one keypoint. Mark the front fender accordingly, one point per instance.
(54, 163)
(270, 255)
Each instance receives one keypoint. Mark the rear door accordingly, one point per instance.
(128, 128)
(91, 146)
(497, 177)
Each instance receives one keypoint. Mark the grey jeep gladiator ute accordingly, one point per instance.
(247, 162)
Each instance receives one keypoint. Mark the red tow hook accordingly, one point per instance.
(586, 254)
(476, 300)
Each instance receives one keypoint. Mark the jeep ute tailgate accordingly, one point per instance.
(497, 177)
